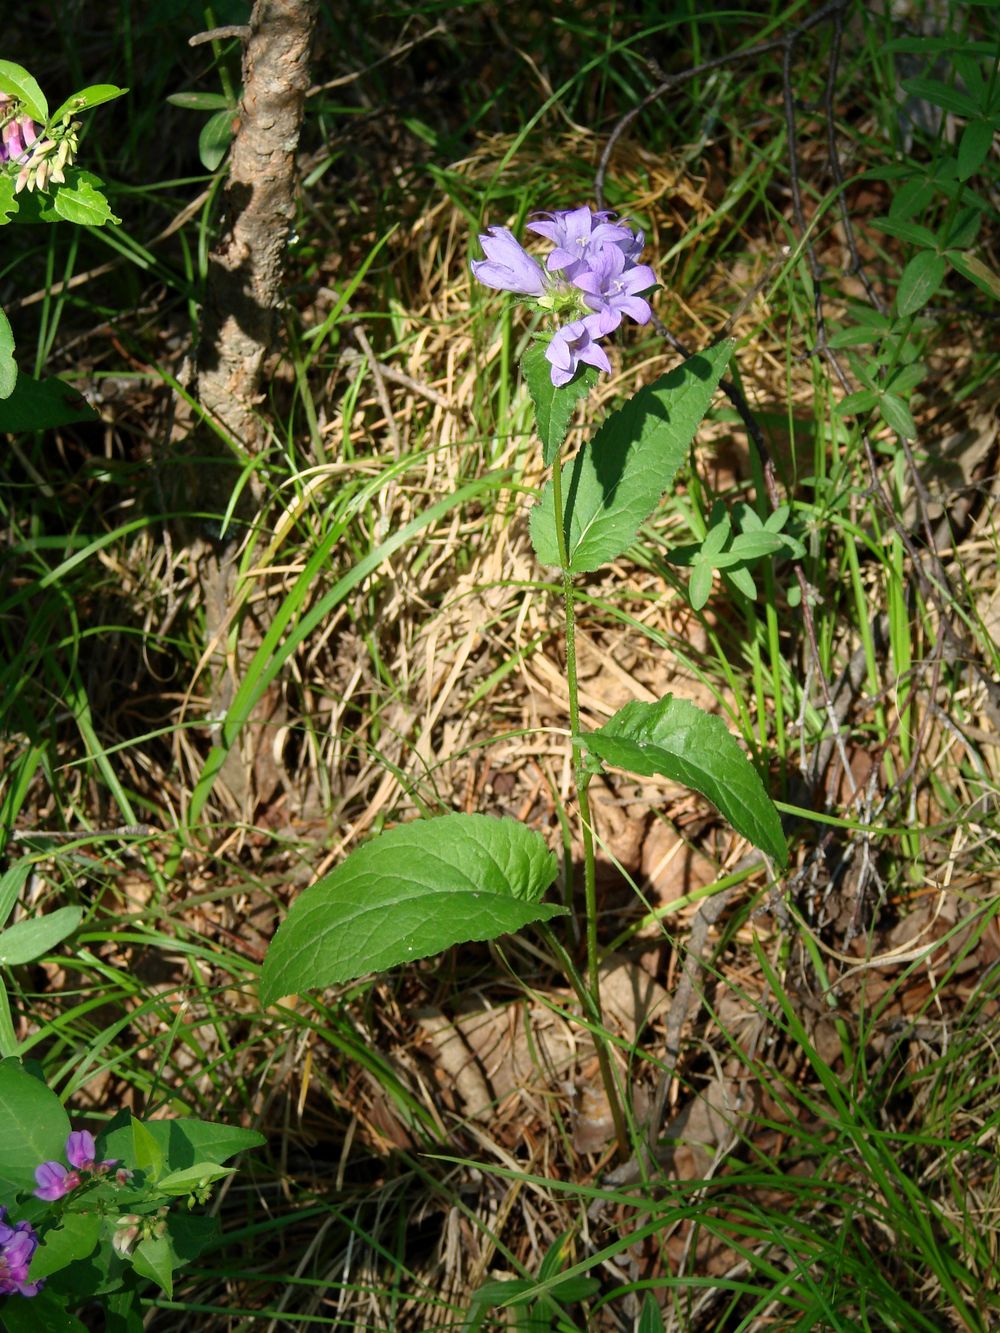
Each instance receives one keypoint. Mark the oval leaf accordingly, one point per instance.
(921, 278)
(35, 1127)
(553, 406)
(408, 893)
(8, 366)
(27, 940)
(616, 480)
(42, 404)
(215, 137)
(679, 741)
(15, 81)
(81, 203)
(87, 98)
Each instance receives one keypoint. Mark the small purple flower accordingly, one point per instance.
(81, 1149)
(54, 1181)
(17, 136)
(17, 1246)
(572, 344)
(576, 234)
(610, 286)
(508, 266)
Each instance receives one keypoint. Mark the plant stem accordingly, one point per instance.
(581, 779)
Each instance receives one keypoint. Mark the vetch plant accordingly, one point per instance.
(423, 886)
(40, 182)
(98, 1219)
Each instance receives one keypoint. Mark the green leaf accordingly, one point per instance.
(679, 741)
(938, 93)
(15, 81)
(215, 137)
(74, 1239)
(906, 231)
(408, 893)
(650, 1320)
(700, 585)
(81, 202)
(856, 403)
(35, 1127)
(897, 415)
(96, 94)
(185, 1180)
(9, 201)
(553, 406)
(27, 940)
(742, 581)
(616, 480)
(8, 366)
(972, 267)
(755, 545)
(921, 278)
(147, 1154)
(44, 1313)
(974, 147)
(155, 1258)
(913, 197)
(42, 405)
(200, 101)
(182, 1142)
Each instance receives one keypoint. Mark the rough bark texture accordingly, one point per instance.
(245, 274)
(238, 324)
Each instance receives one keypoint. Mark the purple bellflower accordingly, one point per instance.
(591, 280)
(18, 1244)
(573, 345)
(610, 286)
(576, 233)
(507, 265)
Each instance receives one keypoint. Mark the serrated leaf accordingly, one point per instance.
(974, 147)
(8, 366)
(972, 267)
(215, 137)
(679, 741)
(616, 480)
(409, 893)
(35, 1127)
(553, 405)
(897, 415)
(27, 940)
(921, 278)
(42, 405)
(95, 94)
(155, 1259)
(17, 82)
(81, 202)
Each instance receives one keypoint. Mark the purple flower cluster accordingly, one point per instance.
(591, 276)
(41, 161)
(17, 1245)
(54, 1180)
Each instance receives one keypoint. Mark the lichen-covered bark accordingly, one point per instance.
(245, 273)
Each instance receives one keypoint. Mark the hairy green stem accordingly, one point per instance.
(581, 779)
